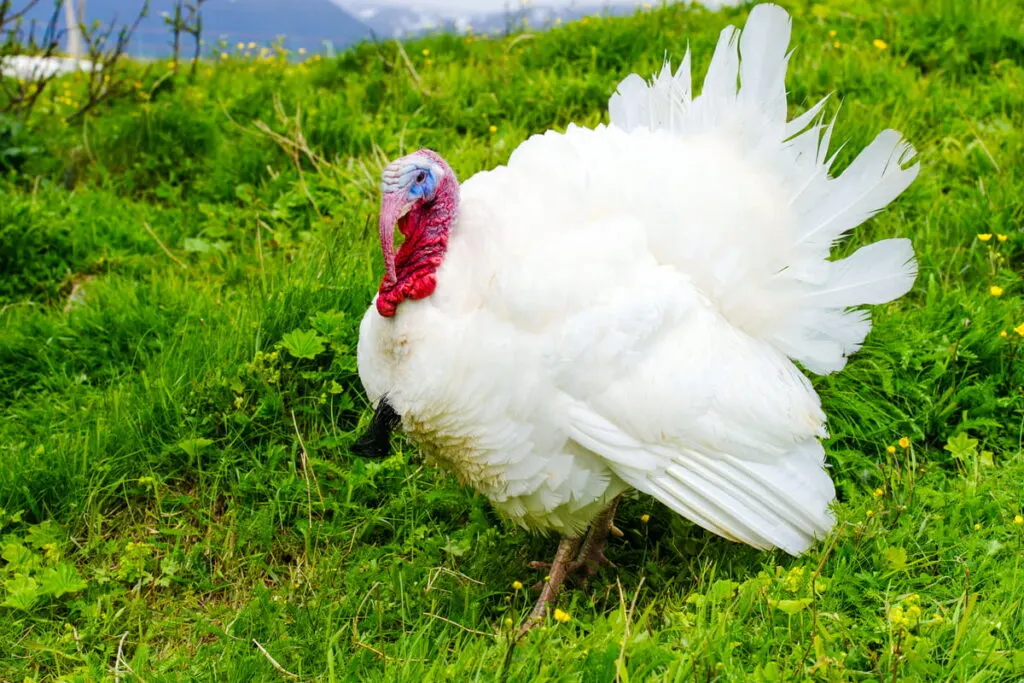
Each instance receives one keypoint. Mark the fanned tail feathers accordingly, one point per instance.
(800, 305)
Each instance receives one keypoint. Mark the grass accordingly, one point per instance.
(178, 499)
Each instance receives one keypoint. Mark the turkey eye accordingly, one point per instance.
(421, 176)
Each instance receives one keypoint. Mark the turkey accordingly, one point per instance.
(629, 306)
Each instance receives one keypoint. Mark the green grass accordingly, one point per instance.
(176, 484)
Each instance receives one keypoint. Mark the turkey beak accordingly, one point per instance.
(392, 207)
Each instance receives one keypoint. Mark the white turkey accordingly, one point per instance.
(624, 307)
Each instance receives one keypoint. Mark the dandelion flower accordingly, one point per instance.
(1019, 329)
(517, 585)
(1002, 333)
(645, 518)
(879, 43)
(1019, 520)
(223, 55)
(891, 450)
(870, 513)
(879, 493)
(302, 50)
(977, 527)
(904, 443)
(561, 617)
(239, 46)
(426, 52)
(251, 45)
(508, 622)
(835, 44)
(493, 129)
(1002, 238)
(832, 33)
(985, 236)
(995, 290)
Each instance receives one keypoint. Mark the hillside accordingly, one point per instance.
(182, 276)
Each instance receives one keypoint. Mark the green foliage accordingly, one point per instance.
(182, 279)
(303, 343)
(16, 144)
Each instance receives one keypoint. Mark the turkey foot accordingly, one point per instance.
(590, 558)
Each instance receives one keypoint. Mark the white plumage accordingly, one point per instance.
(622, 307)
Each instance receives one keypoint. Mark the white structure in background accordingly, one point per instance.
(74, 20)
(26, 68)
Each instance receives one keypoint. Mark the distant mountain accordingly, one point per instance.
(405, 18)
(304, 23)
(309, 23)
(389, 21)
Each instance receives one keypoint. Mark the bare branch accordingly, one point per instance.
(106, 80)
(21, 48)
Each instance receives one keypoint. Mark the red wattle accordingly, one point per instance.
(426, 228)
(416, 265)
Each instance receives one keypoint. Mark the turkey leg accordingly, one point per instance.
(560, 568)
(589, 558)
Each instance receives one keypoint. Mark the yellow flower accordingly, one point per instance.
(251, 45)
(558, 20)
(302, 50)
(977, 527)
(561, 617)
(1018, 520)
(645, 518)
(508, 622)
(832, 33)
(223, 55)
(1019, 329)
(239, 46)
(1001, 237)
(835, 44)
(879, 493)
(995, 290)
(517, 586)
(870, 513)
(890, 450)
(879, 43)
(493, 129)
(1002, 333)
(904, 443)
(985, 236)
(426, 52)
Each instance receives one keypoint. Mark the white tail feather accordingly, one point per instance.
(874, 274)
(799, 305)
